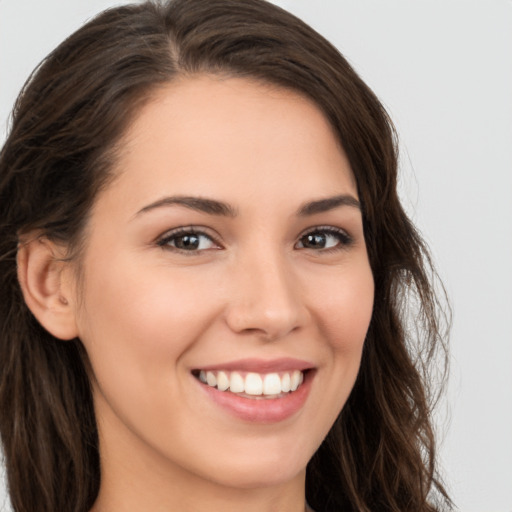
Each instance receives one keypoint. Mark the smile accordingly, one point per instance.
(257, 390)
(251, 384)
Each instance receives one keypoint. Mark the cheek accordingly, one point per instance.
(137, 325)
(343, 313)
(141, 319)
(346, 314)
(347, 309)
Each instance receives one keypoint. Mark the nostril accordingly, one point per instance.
(263, 323)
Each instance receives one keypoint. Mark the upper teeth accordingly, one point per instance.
(253, 383)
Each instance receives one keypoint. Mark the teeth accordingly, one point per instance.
(211, 379)
(222, 381)
(254, 384)
(295, 380)
(272, 384)
(237, 384)
(286, 383)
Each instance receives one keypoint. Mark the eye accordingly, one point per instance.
(188, 240)
(328, 238)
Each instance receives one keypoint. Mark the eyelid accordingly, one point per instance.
(346, 240)
(163, 239)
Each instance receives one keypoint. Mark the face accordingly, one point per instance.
(229, 249)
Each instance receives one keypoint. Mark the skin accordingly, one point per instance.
(149, 314)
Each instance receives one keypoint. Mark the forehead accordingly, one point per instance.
(231, 135)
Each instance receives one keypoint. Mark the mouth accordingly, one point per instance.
(253, 385)
(258, 391)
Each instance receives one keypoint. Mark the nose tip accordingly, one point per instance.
(266, 304)
(269, 323)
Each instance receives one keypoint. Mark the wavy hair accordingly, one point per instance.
(66, 126)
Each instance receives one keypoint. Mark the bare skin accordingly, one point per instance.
(231, 233)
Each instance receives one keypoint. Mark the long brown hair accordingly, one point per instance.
(67, 121)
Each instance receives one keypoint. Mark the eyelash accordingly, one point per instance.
(165, 240)
(344, 239)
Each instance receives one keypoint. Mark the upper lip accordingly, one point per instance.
(261, 365)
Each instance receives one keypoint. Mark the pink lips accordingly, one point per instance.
(261, 365)
(264, 410)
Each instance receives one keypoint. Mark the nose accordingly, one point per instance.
(266, 298)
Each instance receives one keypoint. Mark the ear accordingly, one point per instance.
(46, 281)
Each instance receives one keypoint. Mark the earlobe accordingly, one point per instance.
(45, 282)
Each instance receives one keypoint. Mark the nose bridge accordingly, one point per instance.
(266, 298)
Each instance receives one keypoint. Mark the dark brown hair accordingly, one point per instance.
(66, 126)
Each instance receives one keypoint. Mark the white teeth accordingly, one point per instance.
(254, 384)
(211, 379)
(236, 383)
(286, 383)
(222, 381)
(271, 384)
(295, 380)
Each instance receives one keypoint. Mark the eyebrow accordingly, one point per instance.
(210, 206)
(327, 204)
(214, 207)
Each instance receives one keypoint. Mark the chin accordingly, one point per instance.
(260, 470)
(261, 476)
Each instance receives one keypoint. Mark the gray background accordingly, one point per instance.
(443, 68)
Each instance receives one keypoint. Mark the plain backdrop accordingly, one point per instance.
(443, 69)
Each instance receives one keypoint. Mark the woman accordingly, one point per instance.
(208, 276)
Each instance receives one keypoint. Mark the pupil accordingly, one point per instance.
(315, 240)
(188, 242)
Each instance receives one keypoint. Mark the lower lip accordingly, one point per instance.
(264, 410)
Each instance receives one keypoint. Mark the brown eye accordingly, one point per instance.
(315, 241)
(190, 241)
(324, 239)
(187, 242)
